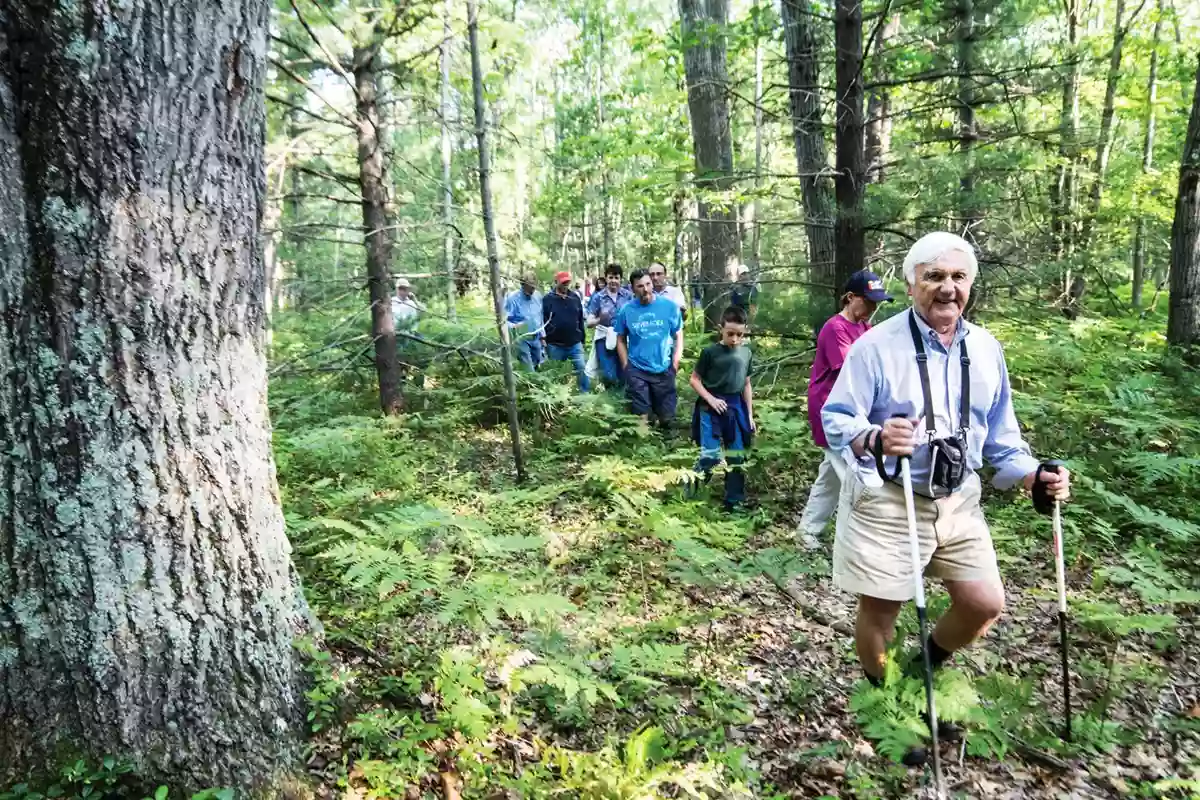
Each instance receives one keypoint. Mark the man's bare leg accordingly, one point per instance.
(873, 630)
(974, 606)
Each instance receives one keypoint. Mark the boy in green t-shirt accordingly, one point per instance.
(724, 412)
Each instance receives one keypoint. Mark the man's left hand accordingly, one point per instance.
(1058, 484)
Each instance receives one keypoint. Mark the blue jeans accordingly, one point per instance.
(529, 352)
(710, 456)
(610, 365)
(574, 354)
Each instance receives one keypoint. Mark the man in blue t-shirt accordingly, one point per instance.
(649, 346)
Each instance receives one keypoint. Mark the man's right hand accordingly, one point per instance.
(899, 435)
(718, 405)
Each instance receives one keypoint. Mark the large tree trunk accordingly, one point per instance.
(879, 103)
(493, 248)
(851, 173)
(1107, 116)
(447, 150)
(804, 76)
(147, 604)
(372, 177)
(1183, 321)
(1139, 238)
(704, 62)
(1062, 191)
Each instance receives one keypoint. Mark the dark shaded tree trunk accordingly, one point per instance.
(703, 25)
(1107, 117)
(850, 183)
(879, 116)
(489, 227)
(1183, 320)
(804, 80)
(147, 603)
(1139, 237)
(372, 178)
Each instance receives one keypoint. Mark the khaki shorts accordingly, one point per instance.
(871, 552)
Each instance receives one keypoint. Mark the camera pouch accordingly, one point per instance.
(948, 463)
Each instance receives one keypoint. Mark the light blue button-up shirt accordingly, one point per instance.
(880, 380)
(524, 311)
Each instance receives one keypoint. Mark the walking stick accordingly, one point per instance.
(1061, 570)
(922, 618)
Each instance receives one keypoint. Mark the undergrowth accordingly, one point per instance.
(558, 636)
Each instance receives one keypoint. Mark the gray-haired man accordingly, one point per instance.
(881, 406)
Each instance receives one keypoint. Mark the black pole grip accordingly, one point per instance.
(1042, 502)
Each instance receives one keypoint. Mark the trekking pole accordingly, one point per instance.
(914, 543)
(1061, 570)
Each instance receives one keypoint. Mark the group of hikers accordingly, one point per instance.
(906, 389)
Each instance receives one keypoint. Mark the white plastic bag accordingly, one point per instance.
(592, 368)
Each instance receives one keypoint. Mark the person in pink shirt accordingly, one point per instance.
(864, 291)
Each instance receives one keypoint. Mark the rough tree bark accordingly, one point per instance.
(1183, 319)
(489, 227)
(147, 603)
(850, 182)
(879, 104)
(804, 77)
(1139, 237)
(1107, 117)
(447, 151)
(703, 26)
(372, 178)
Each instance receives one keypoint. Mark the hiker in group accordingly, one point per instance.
(649, 346)
(948, 410)
(863, 292)
(406, 308)
(658, 277)
(724, 412)
(602, 311)
(523, 309)
(562, 310)
(744, 293)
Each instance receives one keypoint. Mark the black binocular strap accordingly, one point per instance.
(964, 405)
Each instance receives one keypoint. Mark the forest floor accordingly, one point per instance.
(596, 633)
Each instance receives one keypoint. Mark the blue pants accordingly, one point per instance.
(529, 352)
(610, 365)
(574, 354)
(710, 456)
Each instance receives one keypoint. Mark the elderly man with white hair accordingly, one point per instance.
(929, 385)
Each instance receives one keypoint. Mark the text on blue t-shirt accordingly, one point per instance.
(650, 333)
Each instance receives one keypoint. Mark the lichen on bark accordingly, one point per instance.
(148, 605)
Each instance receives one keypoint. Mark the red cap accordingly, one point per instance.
(559, 277)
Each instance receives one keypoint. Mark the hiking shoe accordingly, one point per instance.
(915, 757)
(947, 731)
(809, 541)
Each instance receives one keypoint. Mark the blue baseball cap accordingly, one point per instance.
(869, 285)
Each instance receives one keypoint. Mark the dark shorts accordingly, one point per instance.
(650, 392)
